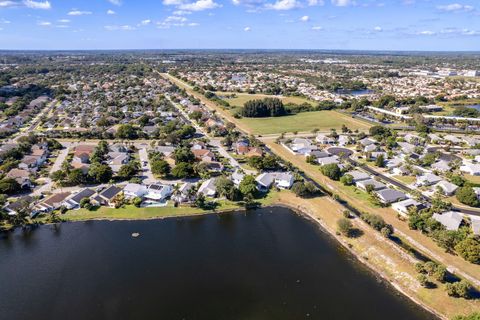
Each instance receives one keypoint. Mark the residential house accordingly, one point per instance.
(358, 175)
(427, 179)
(13, 208)
(447, 188)
(388, 196)
(74, 200)
(208, 188)
(237, 177)
(451, 220)
(375, 185)
(83, 153)
(107, 196)
(204, 155)
(324, 139)
(157, 193)
(53, 202)
(441, 166)
(403, 207)
(21, 176)
(133, 190)
(185, 193)
(328, 160)
(471, 168)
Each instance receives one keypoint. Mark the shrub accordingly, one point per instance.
(345, 226)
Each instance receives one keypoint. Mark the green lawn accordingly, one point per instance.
(303, 122)
(244, 97)
(131, 212)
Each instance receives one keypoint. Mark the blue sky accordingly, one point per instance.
(250, 24)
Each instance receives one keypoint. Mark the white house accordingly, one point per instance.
(427, 180)
(448, 188)
(157, 193)
(404, 206)
(328, 160)
(388, 196)
(284, 180)
(133, 190)
(363, 184)
(451, 219)
(208, 188)
(471, 168)
(237, 177)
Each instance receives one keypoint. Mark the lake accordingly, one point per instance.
(266, 264)
(360, 92)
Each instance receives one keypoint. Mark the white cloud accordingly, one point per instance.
(121, 28)
(145, 22)
(44, 23)
(111, 12)
(426, 33)
(247, 29)
(343, 3)
(115, 2)
(44, 5)
(378, 29)
(75, 12)
(317, 28)
(305, 18)
(455, 7)
(181, 12)
(199, 5)
(4, 21)
(316, 2)
(283, 5)
(6, 4)
(175, 21)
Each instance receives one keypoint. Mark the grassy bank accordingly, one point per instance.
(130, 212)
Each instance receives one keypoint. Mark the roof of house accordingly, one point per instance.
(56, 198)
(265, 179)
(358, 175)
(85, 193)
(451, 219)
(475, 225)
(110, 192)
(446, 186)
(390, 195)
(377, 185)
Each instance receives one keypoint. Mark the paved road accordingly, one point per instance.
(145, 164)
(60, 159)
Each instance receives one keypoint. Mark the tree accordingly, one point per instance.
(268, 107)
(300, 189)
(347, 179)
(200, 201)
(345, 226)
(184, 155)
(387, 231)
(380, 161)
(76, 177)
(248, 186)
(58, 175)
(129, 170)
(100, 173)
(182, 170)
(126, 131)
(224, 186)
(331, 170)
(9, 186)
(160, 167)
(423, 280)
(467, 195)
(459, 289)
(440, 273)
(137, 202)
(469, 249)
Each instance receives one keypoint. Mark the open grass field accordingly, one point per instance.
(241, 98)
(303, 122)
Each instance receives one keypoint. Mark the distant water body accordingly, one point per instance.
(267, 264)
(354, 92)
(475, 106)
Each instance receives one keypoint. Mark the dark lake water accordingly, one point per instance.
(354, 92)
(260, 265)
